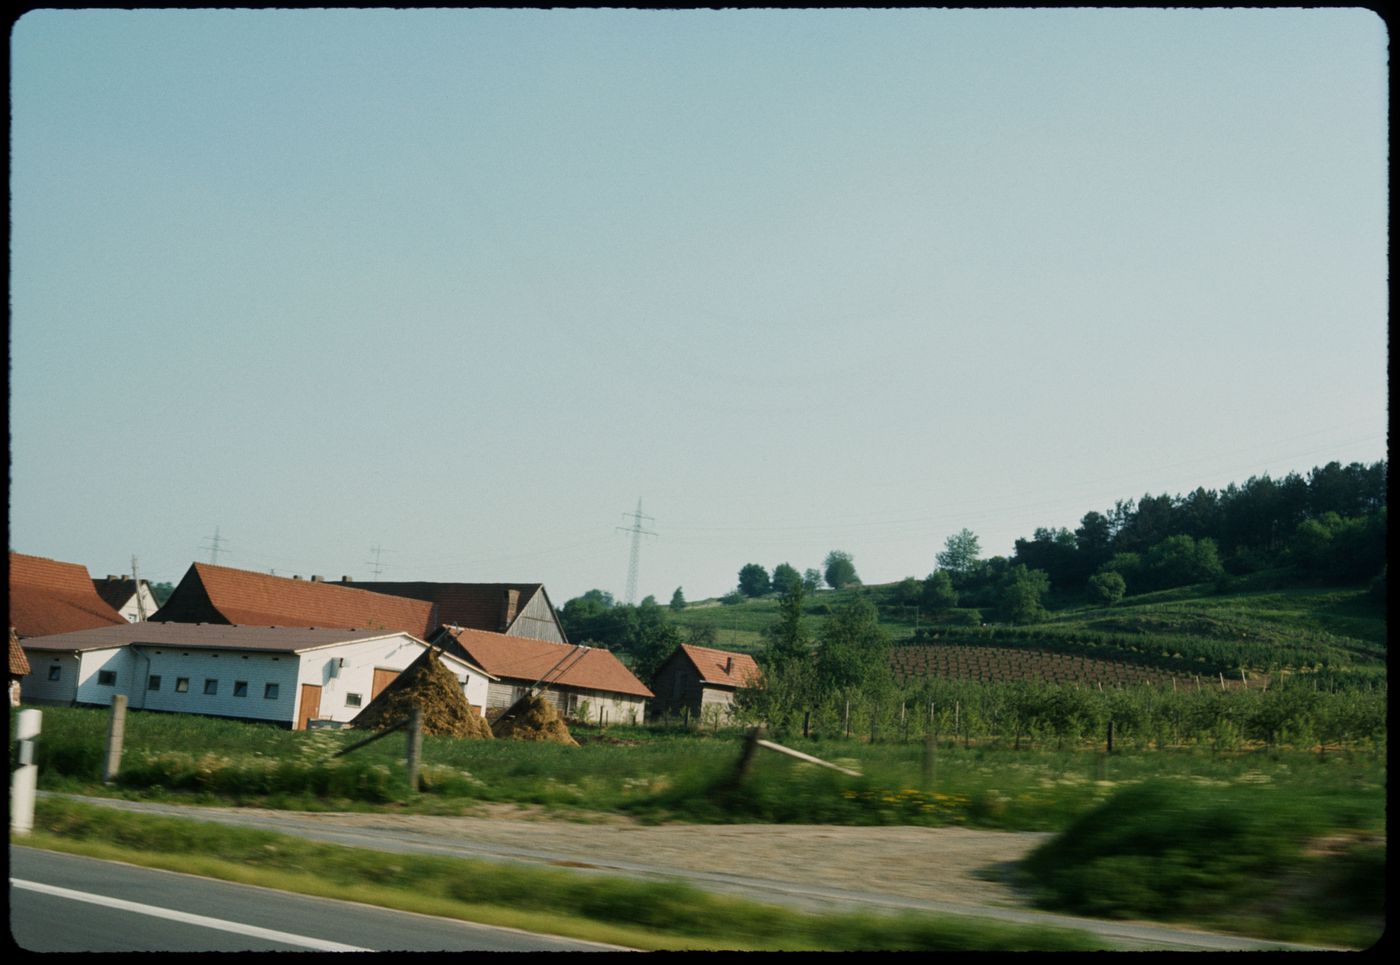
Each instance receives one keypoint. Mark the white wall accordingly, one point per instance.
(227, 667)
(37, 688)
(356, 675)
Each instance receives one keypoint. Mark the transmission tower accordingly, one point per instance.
(215, 540)
(375, 567)
(637, 533)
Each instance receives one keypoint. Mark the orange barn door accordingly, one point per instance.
(310, 704)
(382, 679)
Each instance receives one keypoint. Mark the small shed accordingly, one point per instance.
(703, 681)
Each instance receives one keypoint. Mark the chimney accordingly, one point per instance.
(317, 579)
(296, 576)
(347, 579)
(509, 605)
(110, 577)
(728, 665)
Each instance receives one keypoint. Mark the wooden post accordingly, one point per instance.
(686, 723)
(1243, 679)
(807, 724)
(1110, 735)
(1222, 679)
(846, 722)
(116, 734)
(415, 746)
(746, 755)
(903, 722)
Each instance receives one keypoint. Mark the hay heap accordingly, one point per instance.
(435, 690)
(534, 720)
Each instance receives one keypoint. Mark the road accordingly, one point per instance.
(65, 903)
(588, 849)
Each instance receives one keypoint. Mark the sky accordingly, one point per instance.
(448, 294)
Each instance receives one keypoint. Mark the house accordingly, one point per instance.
(515, 609)
(123, 595)
(19, 668)
(221, 594)
(286, 675)
(48, 596)
(583, 683)
(703, 681)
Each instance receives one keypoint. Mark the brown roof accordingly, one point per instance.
(481, 606)
(47, 596)
(715, 666)
(524, 658)
(19, 663)
(207, 636)
(221, 594)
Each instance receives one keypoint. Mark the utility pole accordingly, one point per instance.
(140, 603)
(216, 539)
(637, 533)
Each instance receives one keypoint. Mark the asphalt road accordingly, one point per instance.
(65, 903)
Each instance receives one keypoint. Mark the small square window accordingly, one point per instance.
(55, 673)
(240, 688)
(211, 686)
(153, 682)
(106, 678)
(352, 700)
(182, 685)
(270, 692)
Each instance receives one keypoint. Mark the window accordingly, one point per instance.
(153, 682)
(240, 688)
(211, 686)
(106, 678)
(270, 692)
(55, 673)
(182, 685)
(352, 700)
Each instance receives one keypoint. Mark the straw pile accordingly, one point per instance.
(535, 720)
(435, 690)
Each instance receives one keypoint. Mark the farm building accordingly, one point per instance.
(515, 609)
(123, 595)
(19, 668)
(583, 683)
(288, 675)
(703, 681)
(48, 596)
(220, 594)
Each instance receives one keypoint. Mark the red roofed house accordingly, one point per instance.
(19, 668)
(583, 683)
(220, 594)
(47, 596)
(703, 681)
(515, 609)
(123, 595)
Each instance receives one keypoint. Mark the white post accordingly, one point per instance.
(25, 779)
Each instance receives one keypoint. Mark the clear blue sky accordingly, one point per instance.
(468, 284)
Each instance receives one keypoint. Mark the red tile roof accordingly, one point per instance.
(47, 596)
(523, 658)
(221, 594)
(206, 636)
(481, 606)
(723, 667)
(19, 663)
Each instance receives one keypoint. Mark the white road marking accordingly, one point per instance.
(237, 928)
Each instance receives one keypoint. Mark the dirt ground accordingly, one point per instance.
(956, 865)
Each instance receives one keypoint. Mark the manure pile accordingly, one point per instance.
(435, 690)
(535, 720)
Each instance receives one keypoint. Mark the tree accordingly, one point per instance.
(1180, 561)
(785, 576)
(811, 579)
(753, 580)
(650, 638)
(678, 600)
(939, 593)
(853, 651)
(1094, 538)
(840, 570)
(959, 556)
(910, 591)
(1019, 600)
(1107, 587)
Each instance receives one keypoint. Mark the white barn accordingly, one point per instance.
(286, 675)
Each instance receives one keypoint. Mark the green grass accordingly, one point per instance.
(637, 914)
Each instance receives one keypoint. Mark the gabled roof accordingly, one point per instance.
(723, 667)
(221, 594)
(47, 596)
(480, 606)
(117, 591)
(526, 659)
(19, 663)
(205, 636)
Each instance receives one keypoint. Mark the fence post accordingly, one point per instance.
(415, 746)
(846, 722)
(25, 778)
(807, 724)
(116, 734)
(1110, 735)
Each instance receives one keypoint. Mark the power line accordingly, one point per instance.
(216, 539)
(375, 566)
(637, 533)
